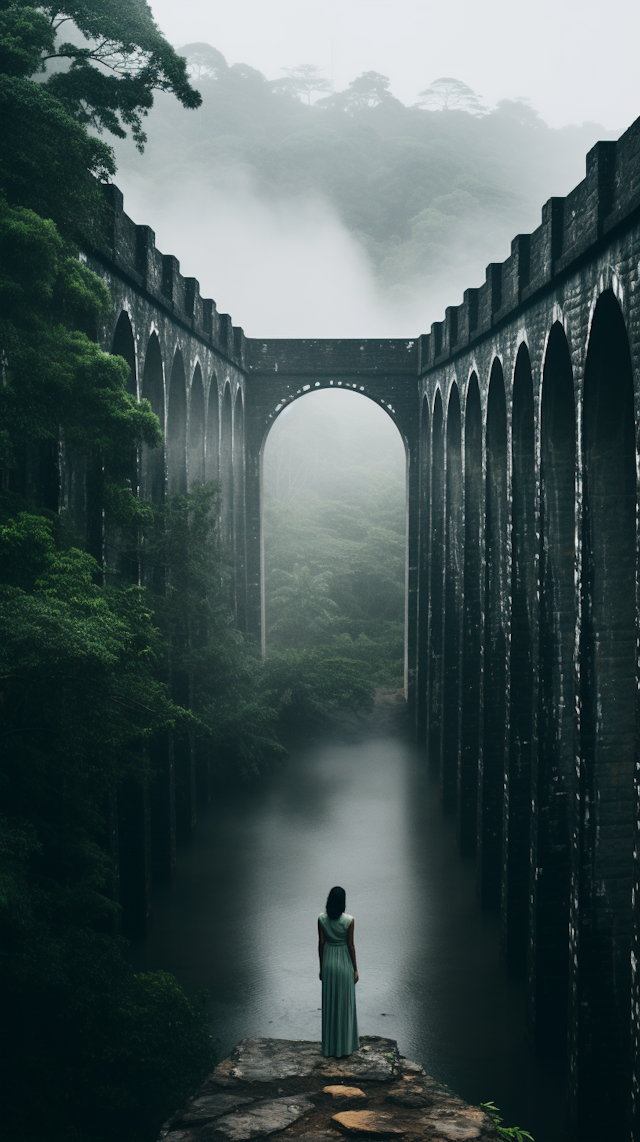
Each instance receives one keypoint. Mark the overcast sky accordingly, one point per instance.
(575, 60)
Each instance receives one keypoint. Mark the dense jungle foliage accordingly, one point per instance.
(89, 1048)
(433, 193)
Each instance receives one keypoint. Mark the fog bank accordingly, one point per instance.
(282, 267)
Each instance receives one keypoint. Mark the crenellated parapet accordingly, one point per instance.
(131, 251)
(571, 229)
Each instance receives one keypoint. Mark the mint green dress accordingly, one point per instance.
(339, 1020)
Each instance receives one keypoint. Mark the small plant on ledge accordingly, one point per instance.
(507, 1133)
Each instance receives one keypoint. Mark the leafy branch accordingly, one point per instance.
(507, 1133)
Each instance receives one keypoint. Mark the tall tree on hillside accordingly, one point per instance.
(447, 94)
(204, 61)
(302, 80)
(371, 89)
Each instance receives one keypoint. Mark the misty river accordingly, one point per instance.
(357, 809)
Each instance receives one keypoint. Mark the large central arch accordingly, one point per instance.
(268, 394)
(280, 372)
(265, 443)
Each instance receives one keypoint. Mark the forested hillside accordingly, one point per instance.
(432, 194)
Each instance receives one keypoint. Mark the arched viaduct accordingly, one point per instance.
(520, 416)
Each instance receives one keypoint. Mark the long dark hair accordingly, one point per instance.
(336, 903)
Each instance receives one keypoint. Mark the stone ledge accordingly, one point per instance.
(281, 1086)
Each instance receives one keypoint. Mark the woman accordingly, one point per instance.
(339, 975)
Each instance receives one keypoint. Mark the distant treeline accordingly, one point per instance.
(429, 192)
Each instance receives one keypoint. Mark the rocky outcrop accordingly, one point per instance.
(283, 1086)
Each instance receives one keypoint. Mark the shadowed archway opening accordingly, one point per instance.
(124, 541)
(152, 389)
(522, 689)
(226, 464)
(471, 695)
(497, 587)
(553, 774)
(212, 436)
(177, 428)
(183, 756)
(124, 346)
(196, 430)
(609, 747)
(423, 573)
(436, 591)
(454, 547)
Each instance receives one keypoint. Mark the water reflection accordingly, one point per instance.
(240, 919)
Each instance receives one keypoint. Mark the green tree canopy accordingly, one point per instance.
(117, 59)
(103, 75)
(81, 663)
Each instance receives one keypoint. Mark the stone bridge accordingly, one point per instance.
(519, 414)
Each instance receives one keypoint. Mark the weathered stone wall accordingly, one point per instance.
(187, 360)
(538, 374)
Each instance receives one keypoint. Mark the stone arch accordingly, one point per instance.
(436, 588)
(608, 706)
(472, 638)
(453, 585)
(423, 571)
(124, 345)
(522, 688)
(127, 542)
(152, 389)
(493, 759)
(608, 282)
(177, 428)
(365, 390)
(196, 429)
(553, 772)
(226, 463)
(212, 435)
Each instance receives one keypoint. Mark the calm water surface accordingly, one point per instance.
(240, 919)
